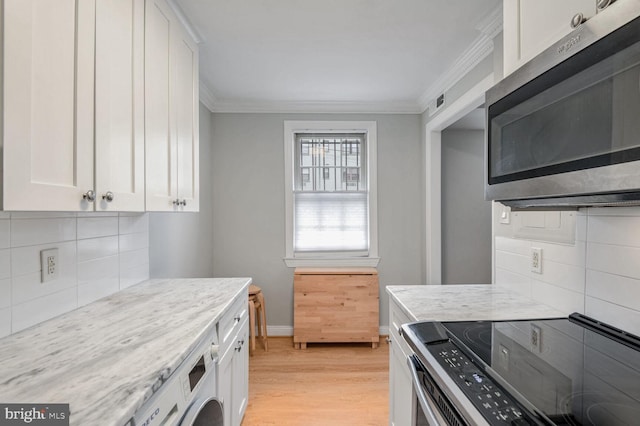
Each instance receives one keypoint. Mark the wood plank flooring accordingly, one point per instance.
(326, 384)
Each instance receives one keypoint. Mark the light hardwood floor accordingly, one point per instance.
(324, 385)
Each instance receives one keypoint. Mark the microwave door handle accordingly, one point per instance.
(422, 396)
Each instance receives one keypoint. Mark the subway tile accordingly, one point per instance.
(97, 289)
(95, 248)
(5, 293)
(515, 282)
(563, 253)
(612, 288)
(97, 269)
(131, 242)
(5, 233)
(43, 215)
(94, 227)
(512, 262)
(27, 232)
(615, 230)
(5, 322)
(97, 214)
(132, 259)
(581, 227)
(617, 260)
(35, 311)
(5, 263)
(26, 260)
(5, 215)
(569, 277)
(513, 245)
(615, 315)
(29, 287)
(130, 224)
(557, 297)
(133, 276)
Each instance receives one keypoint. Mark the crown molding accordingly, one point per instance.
(481, 47)
(191, 29)
(207, 97)
(260, 106)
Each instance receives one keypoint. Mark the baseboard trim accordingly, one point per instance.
(285, 330)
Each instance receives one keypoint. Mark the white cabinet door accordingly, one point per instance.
(532, 26)
(119, 103)
(233, 376)
(48, 104)
(171, 112)
(241, 377)
(401, 393)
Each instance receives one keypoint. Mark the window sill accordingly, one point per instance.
(295, 262)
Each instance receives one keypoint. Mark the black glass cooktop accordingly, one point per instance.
(573, 371)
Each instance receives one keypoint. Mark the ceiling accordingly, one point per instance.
(332, 55)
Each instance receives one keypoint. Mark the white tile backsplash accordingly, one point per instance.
(94, 227)
(599, 275)
(5, 234)
(90, 261)
(96, 248)
(26, 232)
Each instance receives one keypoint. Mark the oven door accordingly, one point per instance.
(432, 408)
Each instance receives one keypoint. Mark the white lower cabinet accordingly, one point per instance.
(233, 376)
(401, 394)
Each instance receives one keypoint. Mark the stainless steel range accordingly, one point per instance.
(565, 371)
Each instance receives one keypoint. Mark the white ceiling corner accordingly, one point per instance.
(275, 55)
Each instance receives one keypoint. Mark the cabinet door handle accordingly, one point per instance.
(108, 197)
(389, 341)
(90, 196)
(184, 202)
(176, 202)
(237, 318)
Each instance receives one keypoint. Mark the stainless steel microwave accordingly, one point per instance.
(564, 129)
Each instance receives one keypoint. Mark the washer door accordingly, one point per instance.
(204, 412)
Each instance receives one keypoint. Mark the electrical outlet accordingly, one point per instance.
(536, 338)
(536, 260)
(49, 264)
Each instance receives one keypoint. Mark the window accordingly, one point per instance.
(331, 193)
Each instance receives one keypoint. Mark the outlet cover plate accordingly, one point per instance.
(49, 265)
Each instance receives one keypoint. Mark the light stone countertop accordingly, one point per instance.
(107, 358)
(463, 302)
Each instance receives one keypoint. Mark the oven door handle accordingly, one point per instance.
(423, 399)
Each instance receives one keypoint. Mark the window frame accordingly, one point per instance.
(369, 128)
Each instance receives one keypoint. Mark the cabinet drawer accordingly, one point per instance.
(231, 322)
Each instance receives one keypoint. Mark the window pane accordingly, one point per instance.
(328, 221)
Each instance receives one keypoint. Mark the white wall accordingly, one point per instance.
(181, 244)
(599, 275)
(99, 254)
(248, 204)
(466, 216)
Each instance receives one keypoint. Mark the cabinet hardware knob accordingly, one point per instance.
(389, 341)
(184, 202)
(577, 20)
(603, 4)
(237, 318)
(90, 196)
(108, 197)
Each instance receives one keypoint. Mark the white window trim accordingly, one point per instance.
(329, 259)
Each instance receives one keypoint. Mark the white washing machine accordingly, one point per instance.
(188, 398)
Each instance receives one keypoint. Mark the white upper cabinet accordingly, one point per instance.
(171, 113)
(532, 26)
(73, 105)
(119, 103)
(48, 80)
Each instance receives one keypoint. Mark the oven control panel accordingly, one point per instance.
(494, 405)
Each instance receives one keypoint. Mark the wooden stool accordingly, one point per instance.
(257, 313)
